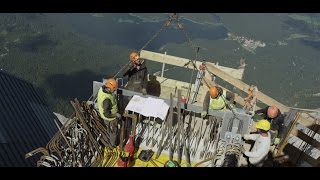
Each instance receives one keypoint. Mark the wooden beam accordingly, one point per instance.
(183, 62)
(305, 121)
(227, 76)
(244, 87)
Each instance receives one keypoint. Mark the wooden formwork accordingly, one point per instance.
(301, 143)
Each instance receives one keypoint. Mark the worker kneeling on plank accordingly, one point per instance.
(214, 100)
(261, 147)
(274, 116)
(108, 109)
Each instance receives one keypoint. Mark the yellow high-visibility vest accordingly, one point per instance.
(103, 96)
(217, 103)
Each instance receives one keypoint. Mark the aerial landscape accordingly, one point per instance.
(61, 54)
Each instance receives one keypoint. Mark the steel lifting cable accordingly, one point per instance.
(173, 17)
(164, 26)
(194, 67)
(176, 16)
(125, 66)
(189, 40)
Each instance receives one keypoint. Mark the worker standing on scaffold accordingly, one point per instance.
(137, 74)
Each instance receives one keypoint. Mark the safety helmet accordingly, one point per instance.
(112, 84)
(171, 163)
(272, 112)
(214, 92)
(133, 56)
(263, 124)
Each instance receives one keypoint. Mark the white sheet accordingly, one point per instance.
(148, 106)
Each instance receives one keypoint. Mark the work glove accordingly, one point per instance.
(118, 115)
(246, 153)
(203, 114)
(276, 141)
(249, 113)
(144, 91)
(246, 136)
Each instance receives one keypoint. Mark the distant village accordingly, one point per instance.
(248, 44)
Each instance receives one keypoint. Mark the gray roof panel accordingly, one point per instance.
(25, 119)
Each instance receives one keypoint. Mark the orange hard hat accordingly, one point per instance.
(133, 56)
(272, 112)
(214, 92)
(112, 84)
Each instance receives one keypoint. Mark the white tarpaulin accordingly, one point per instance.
(148, 106)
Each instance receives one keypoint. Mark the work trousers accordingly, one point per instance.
(134, 86)
(112, 132)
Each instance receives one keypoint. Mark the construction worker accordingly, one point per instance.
(274, 116)
(261, 147)
(137, 74)
(214, 100)
(108, 109)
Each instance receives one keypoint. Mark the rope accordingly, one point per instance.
(164, 26)
(174, 17)
(186, 35)
(124, 67)
(197, 53)
(194, 67)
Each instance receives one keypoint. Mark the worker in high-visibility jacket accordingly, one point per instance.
(108, 109)
(214, 100)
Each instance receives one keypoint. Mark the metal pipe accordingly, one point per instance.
(310, 110)
(162, 70)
